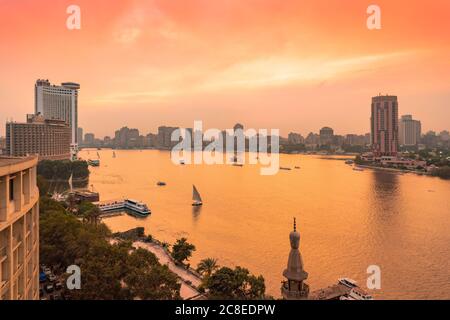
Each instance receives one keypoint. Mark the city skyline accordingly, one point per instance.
(173, 63)
(223, 157)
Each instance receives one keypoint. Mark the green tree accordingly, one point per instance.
(237, 284)
(109, 271)
(62, 169)
(89, 212)
(207, 266)
(43, 185)
(182, 250)
(442, 172)
(80, 169)
(102, 273)
(147, 279)
(64, 239)
(92, 216)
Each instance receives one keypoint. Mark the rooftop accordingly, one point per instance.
(330, 293)
(6, 161)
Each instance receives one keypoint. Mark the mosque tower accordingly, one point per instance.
(294, 288)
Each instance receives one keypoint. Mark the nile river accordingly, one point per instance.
(347, 219)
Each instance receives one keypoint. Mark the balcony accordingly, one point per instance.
(17, 242)
(294, 293)
(3, 254)
(2, 284)
(18, 269)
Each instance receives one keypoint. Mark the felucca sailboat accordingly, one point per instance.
(197, 200)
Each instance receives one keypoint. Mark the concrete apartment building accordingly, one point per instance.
(19, 229)
(295, 138)
(326, 136)
(409, 131)
(49, 139)
(164, 137)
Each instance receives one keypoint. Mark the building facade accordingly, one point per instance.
(19, 229)
(355, 140)
(49, 139)
(384, 126)
(326, 136)
(127, 138)
(2, 145)
(165, 136)
(80, 136)
(295, 138)
(89, 139)
(59, 103)
(312, 139)
(409, 131)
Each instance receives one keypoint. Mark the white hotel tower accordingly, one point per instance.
(61, 103)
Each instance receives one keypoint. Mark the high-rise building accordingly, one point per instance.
(49, 139)
(133, 140)
(444, 135)
(164, 137)
(384, 126)
(312, 139)
(295, 288)
(107, 141)
(80, 135)
(151, 140)
(355, 140)
(19, 229)
(326, 135)
(238, 126)
(89, 139)
(409, 131)
(2, 145)
(59, 103)
(295, 138)
(430, 139)
(367, 139)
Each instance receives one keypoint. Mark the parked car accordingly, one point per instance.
(57, 297)
(49, 288)
(58, 285)
(42, 277)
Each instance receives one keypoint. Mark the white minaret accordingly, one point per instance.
(295, 288)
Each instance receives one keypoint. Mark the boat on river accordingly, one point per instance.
(197, 199)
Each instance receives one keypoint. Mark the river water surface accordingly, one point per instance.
(348, 220)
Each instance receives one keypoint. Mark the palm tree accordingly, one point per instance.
(207, 266)
(92, 216)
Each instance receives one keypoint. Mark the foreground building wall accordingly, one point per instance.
(19, 229)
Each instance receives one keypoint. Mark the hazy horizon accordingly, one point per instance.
(292, 65)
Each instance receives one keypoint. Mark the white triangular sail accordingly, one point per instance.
(196, 195)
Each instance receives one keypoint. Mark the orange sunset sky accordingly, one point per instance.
(293, 65)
